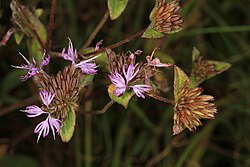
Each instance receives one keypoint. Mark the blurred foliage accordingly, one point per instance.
(142, 134)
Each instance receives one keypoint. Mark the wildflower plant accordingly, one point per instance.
(127, 74)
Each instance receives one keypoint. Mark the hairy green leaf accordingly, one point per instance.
(124, 99)
(18, 37)
(116, 7)
(152, 33)
(68, 125)
(180, 78)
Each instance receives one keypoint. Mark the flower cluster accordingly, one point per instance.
(191, 107)
(31, 67)
(166, 18)
(125, 73)
(50, 122)
(86, 66)
(202, 69)
(122, 83)
(57, 92)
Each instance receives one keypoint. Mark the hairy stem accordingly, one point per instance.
(126, 40)
(51, 24)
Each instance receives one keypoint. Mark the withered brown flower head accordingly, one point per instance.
(66, 87)
(166, 17)
(202, 69)
(191, 107)
(116, 63)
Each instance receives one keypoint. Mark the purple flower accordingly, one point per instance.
(55, 124)
(33, 111)
(45, 60)
(140, 89)
(71, 55)
(50, 122)
(119, 82)
(131, 73)
(97, 46)
(122, 84)
(31, 67)
(156, 62)
(44, 127)
(86, 66)
(46, 97)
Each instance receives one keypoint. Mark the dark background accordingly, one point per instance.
(142, 134)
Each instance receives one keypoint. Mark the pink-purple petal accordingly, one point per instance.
(54, 125)
(45, 60)
(42, 128)
(46, 97)
(131, 73)
(33, 111)
(140, 89)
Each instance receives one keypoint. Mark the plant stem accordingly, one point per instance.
(17, 105)
(126, 40)
(103, 110)
(88, 135)
(78, 152)
(94, 33)
(51, 25)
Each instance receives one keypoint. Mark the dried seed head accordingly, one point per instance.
(202, 69)
(166, 17)
(191, 107)
(66, 87)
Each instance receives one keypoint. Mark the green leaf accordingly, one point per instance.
(152, 33)
(38, 12)
(18, 37)
(219, 66)
(180, 78)
(195, 54)
(27, 21)
(85, 80)
(123, 100)
(116, 7)
(34, 49)
(68, 125)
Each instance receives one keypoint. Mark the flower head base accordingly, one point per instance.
(86, 66)
(31, 67)
(202, 69)
(63, 88)
(190, 108)
(166, 18)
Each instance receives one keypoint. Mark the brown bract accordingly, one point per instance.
(191, 107)
(202, 69)
(166, 17)
(66, 87)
